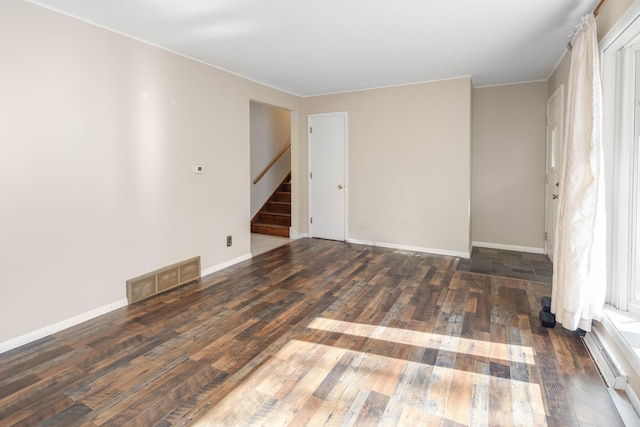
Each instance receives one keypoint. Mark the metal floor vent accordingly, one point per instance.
(614, 376)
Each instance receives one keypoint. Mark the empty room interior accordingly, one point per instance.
(340, 213)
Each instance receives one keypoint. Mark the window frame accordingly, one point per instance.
(622, 159)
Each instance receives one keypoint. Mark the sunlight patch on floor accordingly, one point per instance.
(308, 383)
(493, 350)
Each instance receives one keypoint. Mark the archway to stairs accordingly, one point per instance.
(270, 175)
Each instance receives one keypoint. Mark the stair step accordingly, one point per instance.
(285, 187)
(270, 229)
(278, 218)
(274, 217)
(282, 196)
(283, 207)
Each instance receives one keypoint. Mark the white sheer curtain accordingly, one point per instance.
(579, 277)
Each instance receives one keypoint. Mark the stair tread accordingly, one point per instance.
(264, 224)
(275, 213)
(274, 217)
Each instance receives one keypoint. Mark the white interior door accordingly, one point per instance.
(327, 176)
(555, 120)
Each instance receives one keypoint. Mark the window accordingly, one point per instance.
(620, 327)
(635, 141)
(620, 54)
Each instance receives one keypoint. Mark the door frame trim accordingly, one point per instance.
(559, 92)
(345, 115)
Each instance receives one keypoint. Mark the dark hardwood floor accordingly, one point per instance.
(315, 332)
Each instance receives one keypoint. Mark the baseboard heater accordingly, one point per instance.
(614, 376)
(163, 279)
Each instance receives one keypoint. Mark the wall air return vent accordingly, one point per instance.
(162, 280)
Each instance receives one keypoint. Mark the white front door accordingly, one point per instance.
(327, 177)
(555, 120)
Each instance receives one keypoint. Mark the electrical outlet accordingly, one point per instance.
(229, 241)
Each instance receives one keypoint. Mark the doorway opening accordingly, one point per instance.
(270, 173)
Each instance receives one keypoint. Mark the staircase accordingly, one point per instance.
(274, 218)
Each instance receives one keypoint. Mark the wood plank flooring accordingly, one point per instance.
(315, 333)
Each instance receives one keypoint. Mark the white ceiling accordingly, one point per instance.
(311, 47)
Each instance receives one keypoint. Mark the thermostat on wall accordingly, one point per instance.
(198, 169)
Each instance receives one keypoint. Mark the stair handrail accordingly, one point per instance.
(275, 159)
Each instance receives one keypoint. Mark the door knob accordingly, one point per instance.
(555, 196)
(340, 186)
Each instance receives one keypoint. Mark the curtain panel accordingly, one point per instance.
(579, 277)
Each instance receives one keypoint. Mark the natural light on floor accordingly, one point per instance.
(507, 352)
(309, 383)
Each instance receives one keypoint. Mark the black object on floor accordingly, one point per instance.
(546, 304)
(547, 318)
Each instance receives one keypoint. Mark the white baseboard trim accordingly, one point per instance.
(410, 248)
(502, 247)
(64, 324)
(225, 264)
(294, 235)
(59, 326)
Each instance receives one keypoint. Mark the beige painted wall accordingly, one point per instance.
(408, 163)
(99, 135)
(508, 165)
(560, 76)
